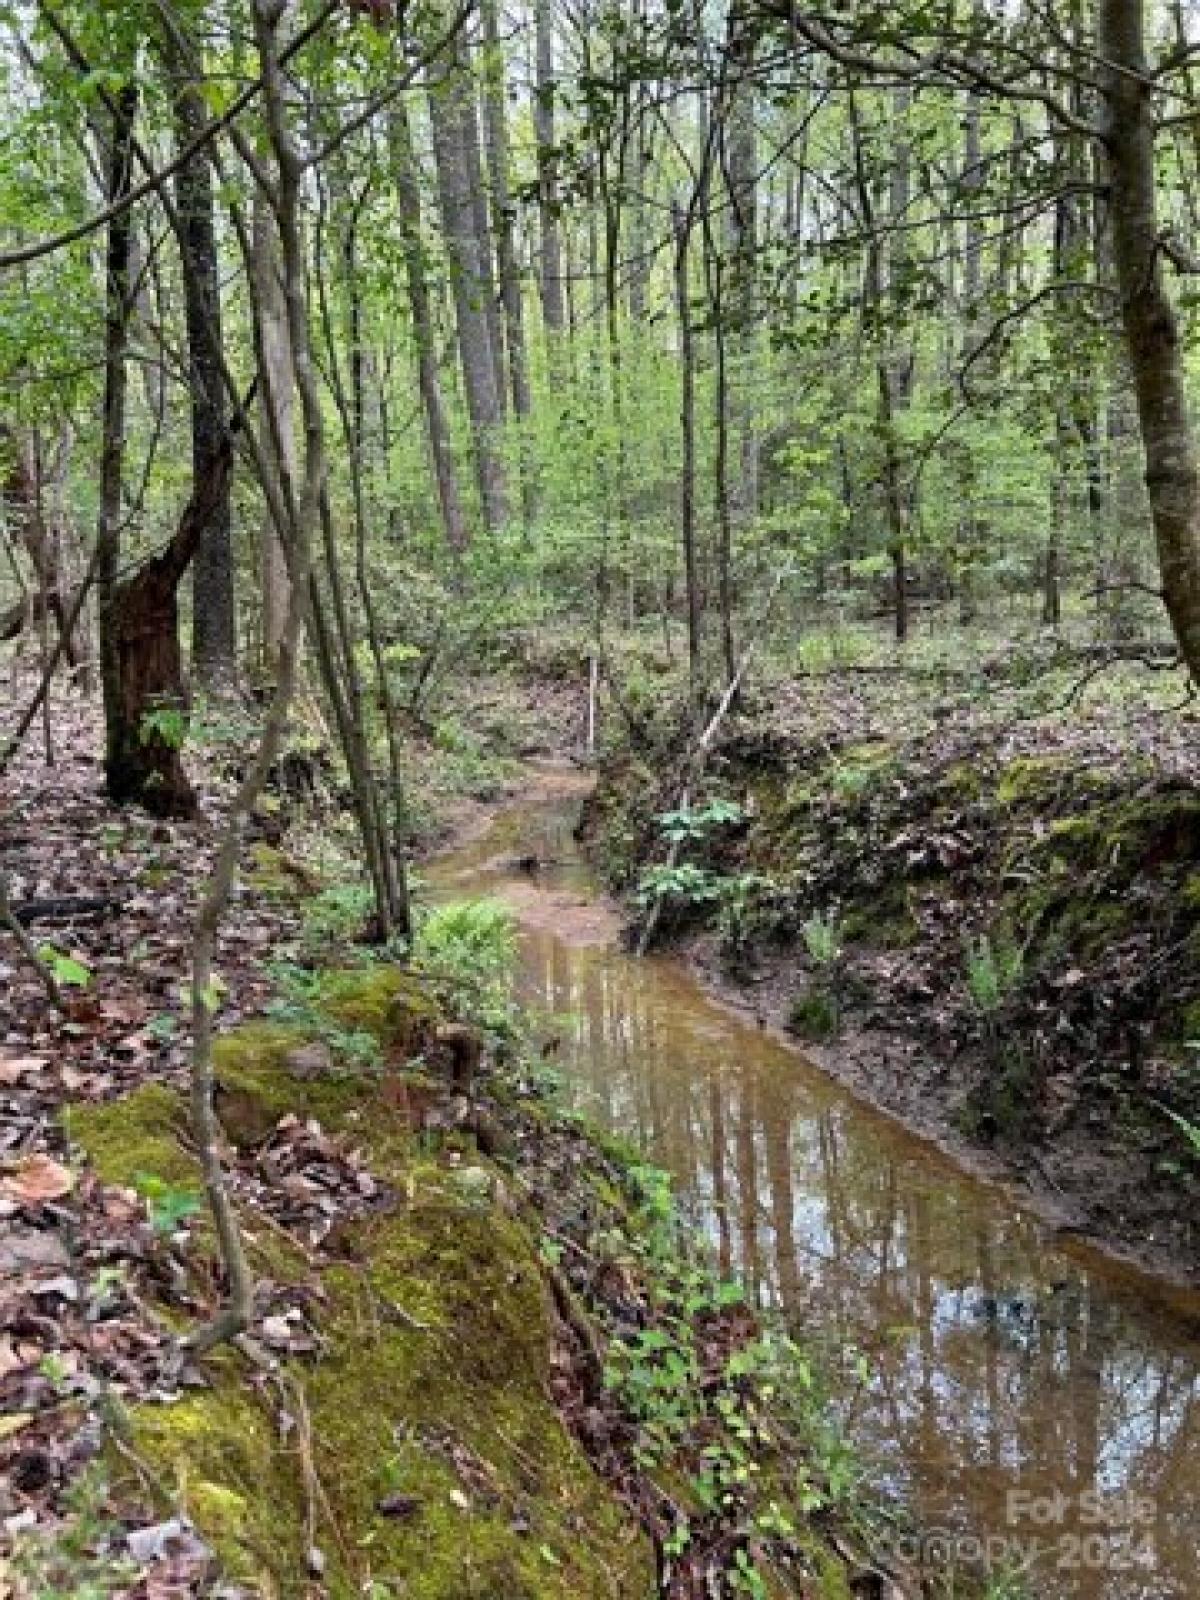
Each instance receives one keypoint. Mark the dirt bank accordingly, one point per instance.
(991, 932)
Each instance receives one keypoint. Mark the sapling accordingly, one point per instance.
(823, 940)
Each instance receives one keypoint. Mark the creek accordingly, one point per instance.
(1022, 1395)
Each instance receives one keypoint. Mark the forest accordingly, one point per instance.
(599, 799)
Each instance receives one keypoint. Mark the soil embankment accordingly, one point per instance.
(991, 931)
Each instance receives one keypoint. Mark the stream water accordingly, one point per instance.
(1026, 1400)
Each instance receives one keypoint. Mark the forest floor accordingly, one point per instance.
(427, 1403)
(973, 892)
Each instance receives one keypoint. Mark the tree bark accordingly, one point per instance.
(452, 119)
(408, 200)
(1151, 327)
(39, 536)
(972, 533)
(741, 177)
(496, 141)
(214, 635)
(277, 403)
(145, 735)
(554, 310)
(116, 383)
(687, 423)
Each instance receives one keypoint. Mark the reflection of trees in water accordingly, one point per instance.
(986, 1374)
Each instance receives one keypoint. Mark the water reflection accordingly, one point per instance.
(1008, 1382)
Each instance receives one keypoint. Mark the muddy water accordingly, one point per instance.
(1026, 1402)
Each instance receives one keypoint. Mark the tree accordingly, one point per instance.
(456, 154)
(1152, 336)
(214, 637)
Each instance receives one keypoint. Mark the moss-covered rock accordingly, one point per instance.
(135, 1136)
(386, 1002)
(257, 1085)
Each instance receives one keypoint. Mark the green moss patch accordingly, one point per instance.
(139, 1134)
(440, 1468)
(386, 1002)
(420, 1451)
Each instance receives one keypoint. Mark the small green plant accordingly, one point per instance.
(74, 1561)
(169, 1205)
(850, 780)
(166, 724)
(814, 1015)
(163, 1027)
(470, 946)
(823, 938)
(68, 971)
(817, 1014)
(1190, 1130)
(745, 909)
(712, 1424)
(299, 1004)
(336, 916)
(993, 972)
(685, 884)
(694, 823)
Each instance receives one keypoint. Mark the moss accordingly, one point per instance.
(886, 918)
(255, 1086)
(856, 768)
(218, 1453)
(832, 1579)
(962, 782)
(433, 1385)
(268, 872)
(1034, 781)
(386, 1002)
(136, 1134)
(1189, 1022)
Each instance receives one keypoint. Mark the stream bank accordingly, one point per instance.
(980, 1359)
(485, 1360)
(993, 937)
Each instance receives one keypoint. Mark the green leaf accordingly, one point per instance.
(66, 969)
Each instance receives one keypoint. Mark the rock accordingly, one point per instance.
(313, 1060)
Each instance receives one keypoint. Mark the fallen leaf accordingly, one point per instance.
(14, 1068)
(23, 1248)
(37, 1179)
(173, 1537)
(14, 1423)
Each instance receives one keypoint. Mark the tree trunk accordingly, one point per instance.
(39, 536)
(496, 143)
(554, 311)
(214, 636)
(495, 121)
(408, 200)
(277, 403)
(972, 533)
(687, 479)
(1151, 328)
(740, 166)
(452, 117)
(896, 370)
(113, 424)
(147, 720)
